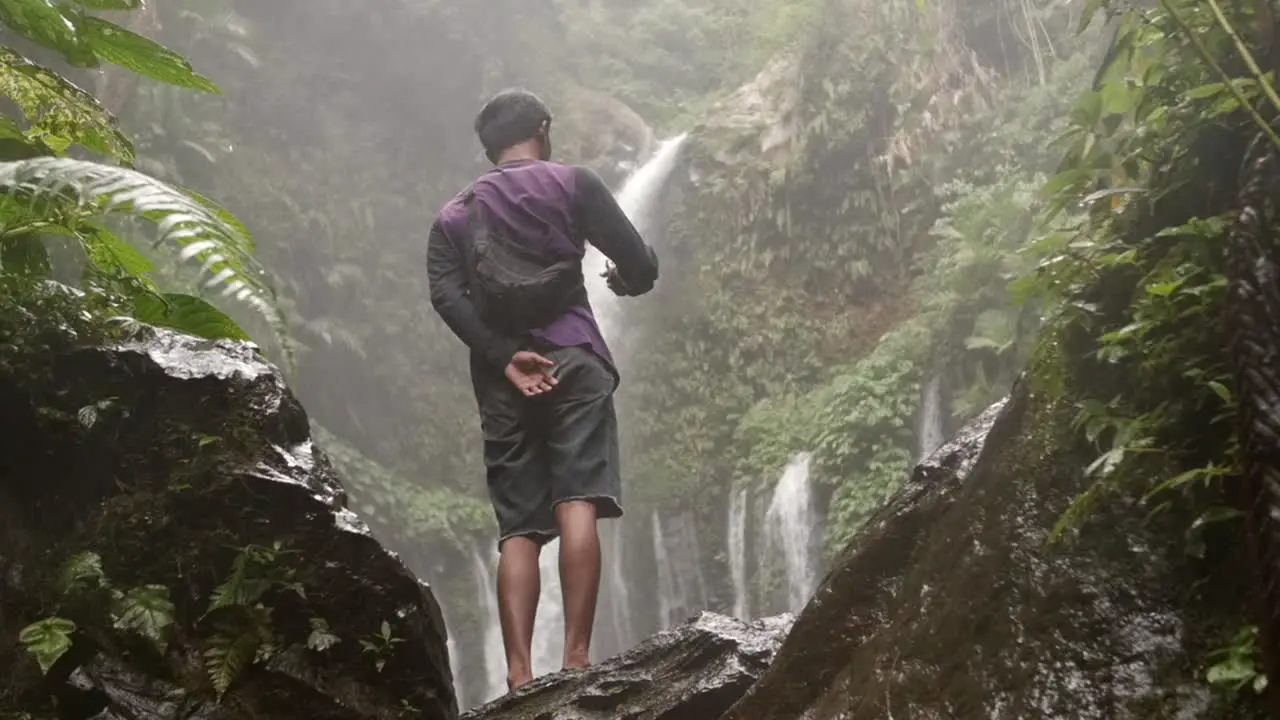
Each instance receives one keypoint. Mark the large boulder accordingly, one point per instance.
(172, 544)
(694, 671)
(952, 604)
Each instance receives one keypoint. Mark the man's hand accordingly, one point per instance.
(614, 280)
(528, 372)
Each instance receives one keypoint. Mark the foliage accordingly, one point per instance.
(47, 195)
(1140, 147)
(1238, 666)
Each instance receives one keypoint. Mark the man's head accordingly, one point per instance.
(514, 117)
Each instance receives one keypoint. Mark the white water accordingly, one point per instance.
(929, 435)
(668, 584)
(637, 199)
(495, 659)
(789, 528)
(615, 592)
(737, 550)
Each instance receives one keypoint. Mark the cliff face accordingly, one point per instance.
(950, 603)
(172, 542)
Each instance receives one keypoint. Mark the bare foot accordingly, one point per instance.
(515, 681)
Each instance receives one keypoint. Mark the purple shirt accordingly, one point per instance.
(547, 205)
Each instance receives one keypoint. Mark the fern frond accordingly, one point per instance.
(202, 231)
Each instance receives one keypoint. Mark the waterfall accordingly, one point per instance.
(495, 657)
(929, 431)
(682, 591)
(789, 527)
(668, 586)
(638, 199)
(548, 625)
(737, 550)
(614, 593)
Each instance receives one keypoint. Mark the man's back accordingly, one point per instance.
(555, 208)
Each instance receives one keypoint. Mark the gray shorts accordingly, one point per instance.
(542, 451)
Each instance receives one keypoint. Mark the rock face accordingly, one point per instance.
(692, 672)
(950, 604)
(164, 495)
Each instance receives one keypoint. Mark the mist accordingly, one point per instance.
(845, 197)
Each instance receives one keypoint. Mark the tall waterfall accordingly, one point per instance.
(737, 550)
(637, 198)
(930, 420)
(789, 530)
(614, 593)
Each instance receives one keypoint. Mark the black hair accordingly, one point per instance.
(509, 118)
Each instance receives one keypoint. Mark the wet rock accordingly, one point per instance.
(217, 572)
(950, 603)
(692, 672)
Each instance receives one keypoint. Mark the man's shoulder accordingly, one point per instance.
(454, 211)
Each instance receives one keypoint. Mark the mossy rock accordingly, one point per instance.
(183, 471)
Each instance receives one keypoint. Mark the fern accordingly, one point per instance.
(60, 193)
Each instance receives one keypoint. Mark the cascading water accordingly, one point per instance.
(637, 198)
(737, 550)
(789, 529)
(495, 659)
(929, 423)
(614, 593)
(667, 583)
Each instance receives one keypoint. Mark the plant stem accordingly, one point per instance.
(1222, 74)
(1245, 54)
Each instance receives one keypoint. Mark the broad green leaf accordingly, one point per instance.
(50, 25)
(47, 640)
(111, 255)
(321, 637)
(147, 611)
(81, 570)
(187, 313)
(130, 50)
(59, 110)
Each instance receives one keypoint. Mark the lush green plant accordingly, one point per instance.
(51, 196)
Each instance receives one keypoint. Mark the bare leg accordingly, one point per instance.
(579, 577)
(518, 586)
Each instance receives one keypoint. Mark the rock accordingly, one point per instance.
(175, 481)
(692, 672)
(950, 603)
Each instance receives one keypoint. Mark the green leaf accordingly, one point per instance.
(58, 111)
(1221, 391)
(52, 26)
(147, 611)
(187, 313)
(82, 570)
(130, 50)
(203, 234)
(111, 255)
(47, 640)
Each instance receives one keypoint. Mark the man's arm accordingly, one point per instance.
(611, 231)
(447, 276)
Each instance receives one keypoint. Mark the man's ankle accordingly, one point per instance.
(516, 679)
(576, 660)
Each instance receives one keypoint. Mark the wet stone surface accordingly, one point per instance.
(167, 457)
(694, 671)
(950, 604)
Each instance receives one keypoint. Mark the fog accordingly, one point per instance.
(805, 193)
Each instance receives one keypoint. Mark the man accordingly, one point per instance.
(545, 393)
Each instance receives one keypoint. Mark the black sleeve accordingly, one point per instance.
(610, 230)
(447, 276)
